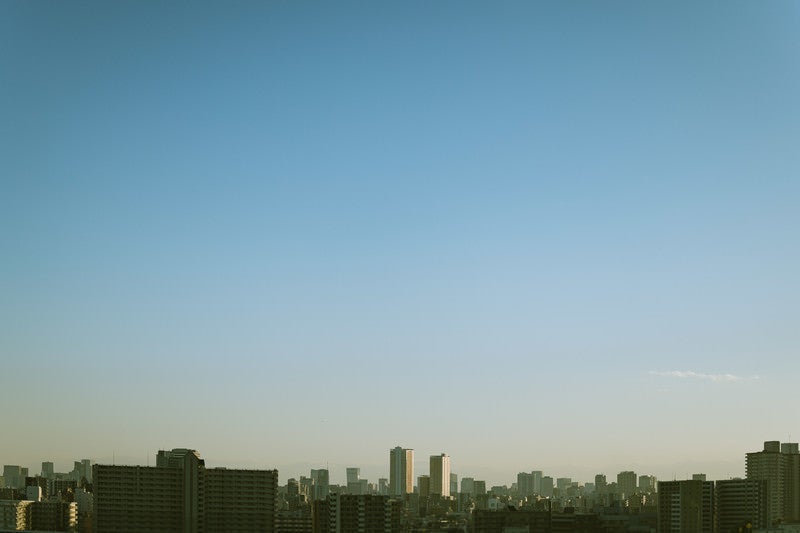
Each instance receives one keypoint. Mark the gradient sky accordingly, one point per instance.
(558, 236)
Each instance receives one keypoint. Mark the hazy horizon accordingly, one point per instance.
(525, 235)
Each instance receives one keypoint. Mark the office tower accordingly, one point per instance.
(600, 483)
(686, 506)
(320, 483)
(440, 474)
(353, 474)
(741, 502)
(14, 476)
(180, 495)
(292, 488)
(524, 484)
(453, 484)
(47, 470)
(536, 476)
(346, 513)
(647, 484)
(359, 486)
(480, 487)
(81, 470)
(626, 483)
(468, 486)
(424, 486)
(562, 483)
(239, 500)
(383, 486)
(779, 465)
(401, 471)
(547, 487)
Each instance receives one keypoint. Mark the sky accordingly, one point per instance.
(557, 236)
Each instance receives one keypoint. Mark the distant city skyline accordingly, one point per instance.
(422, 466)
(552, 236)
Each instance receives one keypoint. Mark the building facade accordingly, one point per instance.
(440, 475)
(401, 471)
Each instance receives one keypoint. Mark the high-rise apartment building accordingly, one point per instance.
(791, 481)
(686, 505)
(48, 472)
(440, 474)
(321, 486)
(779, 465)
(239, 500)
(741, 502)
(401, 471)
(349, 513)
(179, 495)
(15, 515)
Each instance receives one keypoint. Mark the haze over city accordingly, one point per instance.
(551, 236)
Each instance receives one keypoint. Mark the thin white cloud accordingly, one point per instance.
(689, 374)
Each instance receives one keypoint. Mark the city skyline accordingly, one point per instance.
(556, 236)
(337, 473)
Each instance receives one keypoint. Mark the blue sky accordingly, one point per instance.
(532, 236)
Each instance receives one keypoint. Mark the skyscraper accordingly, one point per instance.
(626, 483)
(353, 474)
(47, 470)
(401, 471)
(321, 483)
(440, 474)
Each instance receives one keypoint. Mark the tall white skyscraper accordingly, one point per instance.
(440, 474)
(401, 471)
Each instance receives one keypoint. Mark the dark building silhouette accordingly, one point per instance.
(180, 495)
